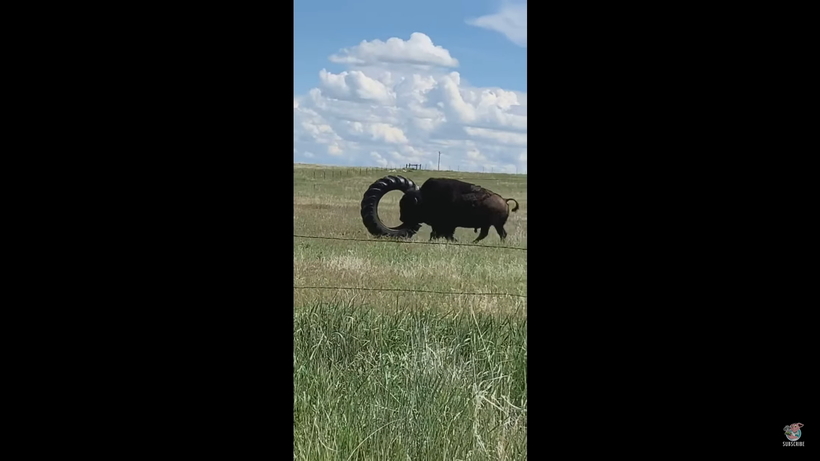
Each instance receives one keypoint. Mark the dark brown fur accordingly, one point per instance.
(446, 204)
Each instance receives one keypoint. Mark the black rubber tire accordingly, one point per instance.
(370, 207)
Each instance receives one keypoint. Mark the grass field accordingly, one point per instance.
(402, 375)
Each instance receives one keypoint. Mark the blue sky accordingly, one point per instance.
(322, 27)
(486, 59)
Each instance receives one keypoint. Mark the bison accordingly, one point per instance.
(444, 204)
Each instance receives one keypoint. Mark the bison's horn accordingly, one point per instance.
(370, 207)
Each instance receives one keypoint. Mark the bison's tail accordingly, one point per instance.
(516, 203)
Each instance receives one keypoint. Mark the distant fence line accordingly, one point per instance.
(407, 242)
(339, 173)
(409, 291)
(319, 173)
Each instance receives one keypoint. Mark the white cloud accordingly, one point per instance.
(354, 86)
(510, 20)
(388, 112)
(500, 137)
(380, 161)
(418, 50)
(334, 149)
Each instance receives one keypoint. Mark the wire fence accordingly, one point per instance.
(410, 243)
(407, 290)
(332, 174)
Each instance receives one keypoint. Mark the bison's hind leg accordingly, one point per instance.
(484, 231)
(500, 229)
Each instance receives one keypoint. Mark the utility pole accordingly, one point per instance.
(439, 160)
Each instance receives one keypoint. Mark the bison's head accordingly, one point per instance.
(410, 207)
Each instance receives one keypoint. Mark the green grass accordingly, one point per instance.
(398, 376)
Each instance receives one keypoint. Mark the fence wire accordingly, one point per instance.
(408, 291)
(408, 242)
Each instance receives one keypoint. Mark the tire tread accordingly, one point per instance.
(370, 207)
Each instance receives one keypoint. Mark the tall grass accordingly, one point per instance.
(406, 376)
(416, 384)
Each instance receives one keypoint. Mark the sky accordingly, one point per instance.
(386, 83)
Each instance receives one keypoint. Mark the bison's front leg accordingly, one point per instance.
(445, 232)
(449, 234)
